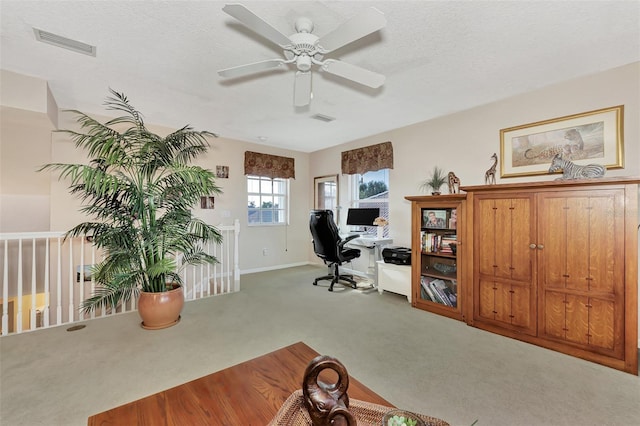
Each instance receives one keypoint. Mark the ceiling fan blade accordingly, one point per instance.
(256, 24)
(302, 89)
(251, 68)
(353, 72)
(369, 21)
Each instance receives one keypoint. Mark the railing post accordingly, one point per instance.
(19, 317)
(236, 255)
(34, 291)
(59, 285)
(5, 291)
(81, 279)
(47, 299)
(71, 313)
(93, 277)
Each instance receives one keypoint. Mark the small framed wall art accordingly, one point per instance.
(222, 172)
(207, 202)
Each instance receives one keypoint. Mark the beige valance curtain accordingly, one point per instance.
(272, 166)
(368, 159)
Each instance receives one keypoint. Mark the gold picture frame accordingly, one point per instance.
(593, 137)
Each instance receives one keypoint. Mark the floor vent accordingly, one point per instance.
(66, 43)
(323, 117)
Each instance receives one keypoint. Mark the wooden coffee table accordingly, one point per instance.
(250, 393)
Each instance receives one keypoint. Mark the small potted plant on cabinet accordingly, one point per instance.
(435, 182)
(140, 188)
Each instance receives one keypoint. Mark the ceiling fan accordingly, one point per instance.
(305, 49)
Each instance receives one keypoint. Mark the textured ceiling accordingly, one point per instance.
(438, 57)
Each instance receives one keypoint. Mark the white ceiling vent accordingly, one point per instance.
(323, 117)
(64, 42)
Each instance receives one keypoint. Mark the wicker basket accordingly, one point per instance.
(294, 413)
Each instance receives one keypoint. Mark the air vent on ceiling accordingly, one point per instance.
(323, 117)
(66, 43)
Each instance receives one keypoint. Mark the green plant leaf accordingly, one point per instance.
(138, 188)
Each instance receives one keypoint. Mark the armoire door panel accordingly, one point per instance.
(502, 238)
(486, 240)
(603, 247)
(486, 299)
(521, 306)
(503, 303)
(602, 323)
(577, 243)
(554, 314)
(577, 319)
(520, 252)
(553, 236)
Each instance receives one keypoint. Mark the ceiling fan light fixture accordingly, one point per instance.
(303, 63)
(307, 49)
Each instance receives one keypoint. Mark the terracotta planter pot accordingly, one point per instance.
(161, 310)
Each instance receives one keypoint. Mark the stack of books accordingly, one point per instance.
(430, 242)
(445, 243)
(436, 290)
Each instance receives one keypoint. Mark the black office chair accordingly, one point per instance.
(329, 246)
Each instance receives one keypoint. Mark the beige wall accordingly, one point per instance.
(282, 242)
(32, 201)
(463, 142)
(25, 145)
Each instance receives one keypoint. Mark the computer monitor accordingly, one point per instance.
(362, 216)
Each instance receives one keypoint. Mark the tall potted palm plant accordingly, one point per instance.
(139, 189)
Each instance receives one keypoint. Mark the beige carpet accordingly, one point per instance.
(417, 360)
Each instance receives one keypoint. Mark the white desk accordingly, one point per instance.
(372, 247)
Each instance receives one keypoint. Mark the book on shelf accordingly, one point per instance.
(446, 242)
(429, 242)
(426, 295)
(424, 283)
(439, 293)
(437, 290)
(432, 289)
(451, 296)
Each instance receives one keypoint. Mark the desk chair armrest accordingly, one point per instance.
(346, 240)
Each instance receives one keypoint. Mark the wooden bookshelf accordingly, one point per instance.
(437, 230)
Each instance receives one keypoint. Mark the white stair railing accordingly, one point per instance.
(45, 278)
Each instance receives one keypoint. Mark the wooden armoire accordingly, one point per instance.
(556, 264)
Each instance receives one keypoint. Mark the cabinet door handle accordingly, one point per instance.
(540, 246)
(532, 246)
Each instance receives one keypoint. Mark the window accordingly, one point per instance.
(267, 200)
(371, 189)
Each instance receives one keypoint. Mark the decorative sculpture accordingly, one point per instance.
(327, 404)
(454, 183)
(490, 175)
(571, 170)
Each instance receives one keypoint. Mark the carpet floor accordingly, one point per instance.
(417, 360)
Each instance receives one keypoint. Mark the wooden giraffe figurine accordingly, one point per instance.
(490, 175)
(454, 183)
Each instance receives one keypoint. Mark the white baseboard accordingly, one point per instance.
(273, 268)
